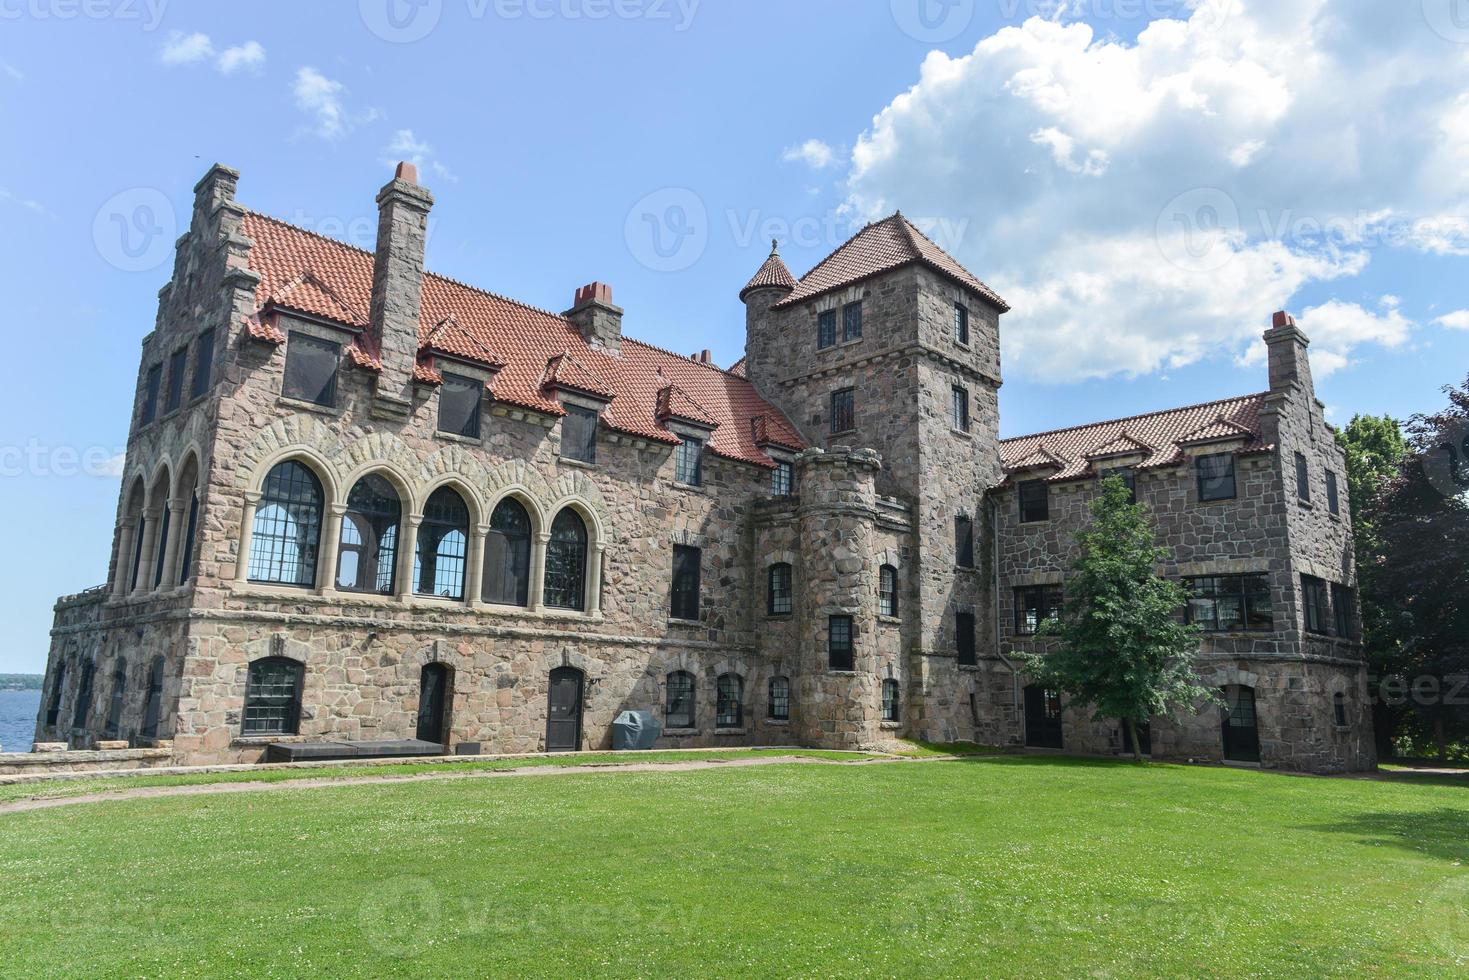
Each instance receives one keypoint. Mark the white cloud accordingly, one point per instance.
(193, 49)
(12, 71)
(813, 153)
(1145, 204)
(30, 204)
(1337, 329)
(1458, 320)
(322, 99)
(113, 466)
(406, 146)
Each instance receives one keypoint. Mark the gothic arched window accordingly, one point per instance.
(507, 555)
(566, 562)
(287, 532)
(368, 553)
(443, 542)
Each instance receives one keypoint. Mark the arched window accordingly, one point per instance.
(165, 518)
(678, 711)
(780, 699)
(368, 553)
(84, 696)
(114, 704)
(887, 591)
(58, 682)
(154, 707)
(132, 561)
(891, 706)
(507, 556)
(566, 562)
(730, 707)
(1339, 708)
(443, 540)
(191, 532)
(778, 591)
(287, 531)
(273, 697)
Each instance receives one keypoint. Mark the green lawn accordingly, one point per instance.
(987, 866)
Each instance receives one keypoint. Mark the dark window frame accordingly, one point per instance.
(1034, 497)
(963, 541)
(843, 411)
(178, 366)
(1047, 601)
(440, 561)
(826, 329)
(780, 599)
(688, 462)
(959, 408)
(579, 433)
(852, 322)
(1333, 494)
(565, 579)
(203, 364)
(294, 488)
(965, 648)
(375, 518)
(840, 643)
(1203, 477)
(1315, 606)
(297, 386)
(456, 418)
(778, 707)
(116, 701)
(729, 701)
(783, 479)
(58, 686)
(680, 700)
(83, 706)
(152, 386)
(273, 688)
(1339, 709)
(1249, 593)
(892, 702)
(1344, 610)
(683, 593)
(961, 324)
(507, 561)
(1303, 478)
(887, 591)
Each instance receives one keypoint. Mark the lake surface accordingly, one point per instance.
(18, 719)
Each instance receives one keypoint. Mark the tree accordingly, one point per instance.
(1122, 648)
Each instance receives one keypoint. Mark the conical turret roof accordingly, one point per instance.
(772, 275)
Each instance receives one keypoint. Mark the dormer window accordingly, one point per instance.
(460, 400)
(688, 462)
(311, 370)
(783, 478)
(1216, 477)
(826, 329)
(579, 434)
(852, 321)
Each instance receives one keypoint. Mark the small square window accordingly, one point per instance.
(783, 478)
(579, 434)
(460, 399)
(311, 370)
(852, 321)
(1036, 605)
(688, 462)
(1035, 501)
(839, 642)
(959, 409)
(1333, 495)
(826, 329)
(203, 363)
(1216, 477)
(150, 394)
(178, 366)
(843, 410)
(961, 324)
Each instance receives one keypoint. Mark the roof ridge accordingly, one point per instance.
(685, 358)
(855, 235)
(1132, 418)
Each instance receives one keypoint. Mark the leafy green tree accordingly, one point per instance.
(1122, 648)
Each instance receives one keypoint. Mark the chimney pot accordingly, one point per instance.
(706, 356)
(598, 319)
(1282, 319)
(406, 171)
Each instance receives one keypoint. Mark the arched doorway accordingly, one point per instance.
(563, 711)
(1240, 724)
(436, 687)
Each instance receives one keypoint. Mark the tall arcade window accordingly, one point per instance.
(891, 704)
(729, 708)
(178, 365)
(287, 532)
(566, 562)
(839, 649)
(311, 370)
(165, 520)
(460, 399)
(688, 462)
(273, 697)
(685, 592)
(579, 434)
(678, 710)
(887, 591)
(113, 726)
(443, 542)
(191, 533)
(203, 363)
(507, 556)
(369, 549)
(1216, 477)
(778, 596)
(779, 708)
(1220, 603)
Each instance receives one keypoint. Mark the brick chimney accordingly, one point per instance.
(397, 287)
(599, 321)
(1289, 365)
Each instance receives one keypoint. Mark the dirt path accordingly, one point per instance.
(208, 789)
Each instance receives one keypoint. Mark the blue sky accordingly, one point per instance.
(1145, 180)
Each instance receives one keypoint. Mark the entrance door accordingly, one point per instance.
(1042, 718)
(1241, 730)
(563, 714)
(433, 697)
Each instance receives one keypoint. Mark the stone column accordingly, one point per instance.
(247, 527)
(331, 542)
(128, 528)
(594, 580)
(178, 513)
(147, 559)
(408, 545)
(476, 570)
(538, 571)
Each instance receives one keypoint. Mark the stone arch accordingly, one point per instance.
(890, 556)
(570, 656)
(575, 489)
(517, 474)
(780, 558)
(384, 453)
(331, 483)
(159, 485)
(282, 438)
(1225, 676)
(691, 539)
(467, 491)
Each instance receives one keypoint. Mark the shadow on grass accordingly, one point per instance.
(1416, 778)
(1442, 833)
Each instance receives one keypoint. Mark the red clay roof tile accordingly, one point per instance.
(773, 274)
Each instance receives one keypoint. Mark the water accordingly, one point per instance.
(18, 719)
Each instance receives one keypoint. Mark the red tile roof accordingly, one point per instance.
(675, 403)
(1161, 435)
(737, 368)
(773, 274)
(519, 340)
(881, 247)
(565, 371)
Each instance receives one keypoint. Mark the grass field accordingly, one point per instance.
(988, 866)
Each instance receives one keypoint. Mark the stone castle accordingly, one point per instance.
(364, 502)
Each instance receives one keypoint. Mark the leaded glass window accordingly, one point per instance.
(566, 562)
(460, 399)
(287, 530)
(311, 369)
(730, 706)
(507, 555)
(779, 708)
(579, 434)
(891, 704)
(273, 697)
(959, 408)
(1313, 597)
(113, 725)
(852, 321)
(826, 328)
(843, 410)
(685, 592)
(782, 479)
(1216, 477)
(887, 591)
(368, 554)
(678, 711)
(443, 541)
(688, 462)
(840, 654)
(779, 598)
(961, 323)
(1220, 603)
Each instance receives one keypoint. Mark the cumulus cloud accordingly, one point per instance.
(197, 48)
(1146, 204)
(1337, 329)
(1458, 320)
(323, 99)
(813, 153)
(406, 146)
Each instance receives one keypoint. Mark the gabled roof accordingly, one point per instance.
(1217, 431)
(737, 368)
(309, 293)
(774, 274)
(1038, 458)
(1123, 445)
(564, 371)
(484, 328)
(675, 403)
(1162, 434)
(881, 247)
